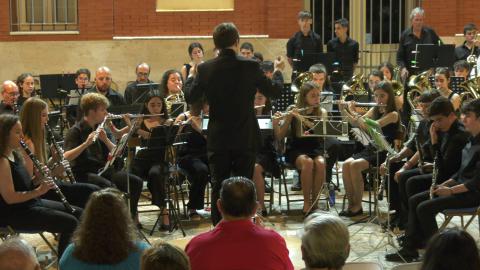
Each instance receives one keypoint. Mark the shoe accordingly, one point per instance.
(164, 227)
(353, 214)
(343, 213)
(296, 186)
(403, 255)
(268, 188)
(194, 216)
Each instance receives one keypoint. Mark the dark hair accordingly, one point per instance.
(461, 64)
(7, 121)
(443, 71)
(472, 106)
(96, 240)
(258, 56)
(376, 73)
(164, 256)
(247, 46)
(238, 197)
(196, 107)
(20, 80)
(192, 46)
(343, 22)
(451, 249)
(151, 95)
(469, 27)
(267, 66)
(387, 87)
(83, 71)
(164, 81)
(304, 15)
(225, 35)
(440, 106)
(389, 66)
(428, 96)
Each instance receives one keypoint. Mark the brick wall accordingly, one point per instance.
(103, 19)
(449, 17)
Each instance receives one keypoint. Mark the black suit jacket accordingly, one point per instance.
(229, 82)
(469, 172)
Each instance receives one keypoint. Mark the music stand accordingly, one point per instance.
(143, 89)
(431, 56)
(163, 138)
(455, 83)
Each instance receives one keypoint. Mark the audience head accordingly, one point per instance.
(238, 199)
(246, 50)
(171, 83)
(341, 27)
(155, 104)
(164, 256)
(461, 68)
(142, 71)
(26, 85)
(106, 234)
(442, 114)
(417, 16)
(325, 242)
(451, 249)
(226, 35)
(471, 116)
(10, 92)
(195, 51)
(304, 19)
(387, 69)
(103, 79)
(82, 78)
(94, 105)
(16, 254)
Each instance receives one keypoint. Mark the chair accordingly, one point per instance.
(408, 266)
(460, 212)
(362, 266)
(8, 231)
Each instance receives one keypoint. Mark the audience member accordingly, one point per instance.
(16, 254)
(164, 256)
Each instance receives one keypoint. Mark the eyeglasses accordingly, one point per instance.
(82, 79)
(104, 78)
(13, 94)
(142, 74)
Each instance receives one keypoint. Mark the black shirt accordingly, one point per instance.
(115, 98)
(408, 43)
(132, 93)
(92, 159)
(345, 53)
(304, 49)
(423, 137)
(469, 172)
(4, 108)
(462, 51)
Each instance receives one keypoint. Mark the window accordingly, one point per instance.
(385, 21)
(325, 13)
(43, 15)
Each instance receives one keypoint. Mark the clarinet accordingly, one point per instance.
(420, 155)
(381, 190)
(63, 161)
(434, 175)
(47, 175)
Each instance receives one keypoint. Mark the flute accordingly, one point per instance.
(97, 131)
(111, 116)
(359, 104)
(66, 165)
(46, 174)
(290, 111)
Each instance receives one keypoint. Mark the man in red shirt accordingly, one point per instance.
(236, 242)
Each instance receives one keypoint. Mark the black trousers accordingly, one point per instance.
(197, 172)
(402, 189)
(422, 211)
(392, 188)
(118, 180)
(156, 174)
(76, 194)
(49, 216)
(223, 165)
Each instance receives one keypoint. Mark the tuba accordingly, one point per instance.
(417, 84)
(396, 82)
(354, 87)
(472, 90)
(300, 80)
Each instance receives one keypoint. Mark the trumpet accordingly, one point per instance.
(97, 131)
(111, 116)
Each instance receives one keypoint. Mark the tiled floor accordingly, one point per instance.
(368, 241)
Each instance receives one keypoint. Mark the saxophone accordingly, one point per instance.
(434, 175)
(63, 161)
(46, 174)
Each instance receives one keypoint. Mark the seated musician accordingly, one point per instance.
(400, 172)
(388, 70)
(388, 118)
(20, 203)
(87, 148)
(320, 76)
(10, 94)
(192, 157)
(34, 117)
(306, 154)
(461, 69)
(26, 86)
(171, 87)
(134, 94)
(442, 82)
(149, 163)
(265, 158)
(195, 52)
(459, 191)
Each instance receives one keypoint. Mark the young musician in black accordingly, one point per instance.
(346, 50)
(87, 147)
(20, 204)
(461, 190)
(229, 83)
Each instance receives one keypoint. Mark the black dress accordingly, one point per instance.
(310, 146)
